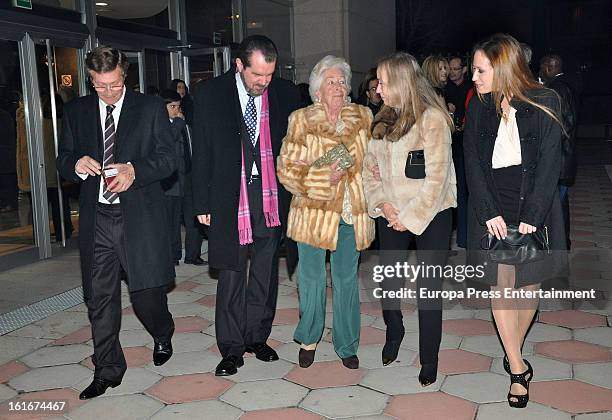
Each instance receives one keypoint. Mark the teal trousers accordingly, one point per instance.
(312, 275)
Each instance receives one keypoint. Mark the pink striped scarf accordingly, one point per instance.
(268, 181)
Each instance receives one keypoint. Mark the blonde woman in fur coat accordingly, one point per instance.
(410, 186)
(328, 210)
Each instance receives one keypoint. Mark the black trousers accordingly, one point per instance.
(173, 211)
(245, 308)
(432, 250)
(193, 229)
(104, 302)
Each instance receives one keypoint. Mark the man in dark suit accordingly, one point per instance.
(239, 123)
(551, 72)
(122, 219)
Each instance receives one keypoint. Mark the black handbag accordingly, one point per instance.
(415, 165)
(516, 248)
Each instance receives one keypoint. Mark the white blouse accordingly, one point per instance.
(507, 150)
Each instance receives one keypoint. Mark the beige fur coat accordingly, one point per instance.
(418, 200)
(316, 206)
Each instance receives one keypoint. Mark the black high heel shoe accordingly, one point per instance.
(391, 349)
(520, 401)
(428, 374)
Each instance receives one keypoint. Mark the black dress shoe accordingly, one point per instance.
(262, 351)
(390, 351)
(229, 366)
(97, 388)
(306, 357)
(351, 362)
(162, 352)
(196, 261)
(428, 374)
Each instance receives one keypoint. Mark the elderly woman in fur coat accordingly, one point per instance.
(409, 181)
(328, 210)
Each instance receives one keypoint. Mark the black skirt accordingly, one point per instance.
(508, 186)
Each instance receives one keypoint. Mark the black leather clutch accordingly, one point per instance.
(516, 248)
(415, 165)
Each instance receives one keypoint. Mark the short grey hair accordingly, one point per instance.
(326, 63)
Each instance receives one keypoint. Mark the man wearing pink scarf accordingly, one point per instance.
(239, 122)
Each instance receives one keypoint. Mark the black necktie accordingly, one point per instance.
(109, 147)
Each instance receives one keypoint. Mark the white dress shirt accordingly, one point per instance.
(244, 98)
(507, 149)
(116, 113)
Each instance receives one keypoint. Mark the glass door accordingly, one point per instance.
(205, 63)
(59, 83)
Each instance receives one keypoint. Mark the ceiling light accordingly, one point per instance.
(100, 3)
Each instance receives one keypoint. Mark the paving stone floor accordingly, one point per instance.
(569, 346)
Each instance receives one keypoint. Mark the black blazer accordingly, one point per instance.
(539, 205)
(217, 136)
(143, 138)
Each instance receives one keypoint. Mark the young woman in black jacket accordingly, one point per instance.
(512, 147)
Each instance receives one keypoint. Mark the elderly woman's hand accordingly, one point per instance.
(336, 175)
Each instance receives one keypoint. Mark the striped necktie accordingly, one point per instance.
(109, 147)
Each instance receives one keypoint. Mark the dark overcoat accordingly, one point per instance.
(540, 137)
(218, 128)
(143, 138)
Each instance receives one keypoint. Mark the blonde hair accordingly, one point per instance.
(431, 71)
(410, 90)
(511, 74)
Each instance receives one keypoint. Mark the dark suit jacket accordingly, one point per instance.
(561, 85)
(143, 138)
(217, 136)
(539, 205)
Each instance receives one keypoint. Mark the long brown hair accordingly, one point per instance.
(410, 90)
(512, 77)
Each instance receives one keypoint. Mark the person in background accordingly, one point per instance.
(368, 93)
(435, 68)
(551, 73)
(513, 161)
(181, 88)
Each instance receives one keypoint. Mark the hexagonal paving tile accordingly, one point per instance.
(453, 362)
(597, 335)
(430, 405)
(325, 375)
(468, 327)
(136, 357)
(572, 319)
(461, 313)
(599, 374)
(69, 397)
(545, 369)
(206, 289)
(183, 296)
(595, 416)
(449, 341)
(398, 380)
(214, 409)
(78, 337)
(130, 322)
(185, 285)
(10, 370)
(345, 402)
(281, 414)
(6, 393)
(572, 396)
(186, 388)
(185, 363)
(190, 324)
(256, 370)
(15, 347)
(478, 387)
(288, 316)
(283, 333)
(533, 411)
(54, 326)
(120, 407)
(545, 332)
(371, 335)
(133, 338)
(209, 301)
(488, 345)
(261, 395)
(574, 351)
(40, 379)
(370, 357)
(180, 310)
(57, 355)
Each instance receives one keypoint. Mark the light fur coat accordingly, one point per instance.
(418, 200)
(316, 206)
